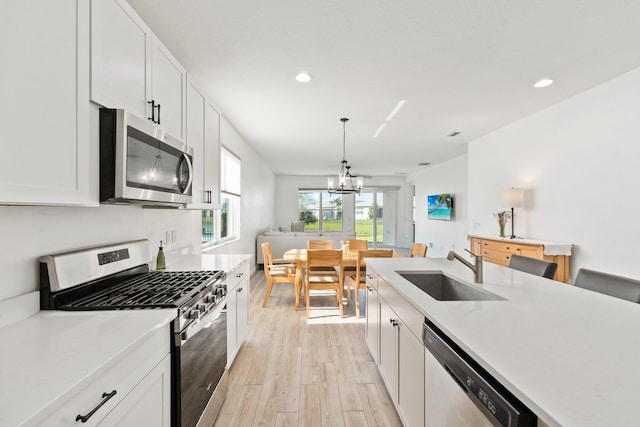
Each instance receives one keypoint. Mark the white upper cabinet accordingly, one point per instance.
(44, 113)
(212, 155)
(168, 83)
(133, 70)
(203, 134)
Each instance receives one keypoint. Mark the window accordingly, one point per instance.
(224, 224)
(319, 210)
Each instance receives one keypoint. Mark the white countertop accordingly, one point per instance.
(569, 354)
(47, 355)
(226, 262)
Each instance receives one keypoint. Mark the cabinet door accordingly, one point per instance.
(168, 86)
(147, 404)
(119, 57)
(45, 109)
(195, 138)
(476, 246)
(531, 251)
(389, 349)
(372, 325)
(410, 378)
(232, 326)
(242, 318)
(212, 155)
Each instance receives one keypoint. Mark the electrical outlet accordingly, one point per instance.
(167, 237)
(431, 244)
(173, 236)
(476, 225)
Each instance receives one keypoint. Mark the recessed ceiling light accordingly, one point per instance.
(543, 83)
(303, 77)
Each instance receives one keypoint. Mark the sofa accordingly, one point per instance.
(282, 241)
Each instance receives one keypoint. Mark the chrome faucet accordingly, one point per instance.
(477, 268)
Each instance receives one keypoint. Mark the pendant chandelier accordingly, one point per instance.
(345, 183)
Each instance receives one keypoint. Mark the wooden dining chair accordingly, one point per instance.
(323, 280)
(360, 280)
(276, 270)
(355, 245)
(418, 250)
(320, 244)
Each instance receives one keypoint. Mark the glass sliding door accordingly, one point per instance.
(375, 217)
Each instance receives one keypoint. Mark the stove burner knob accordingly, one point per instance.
(210, 299)
(193, 314)
(202, 307)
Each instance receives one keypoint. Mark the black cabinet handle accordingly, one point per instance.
(239, 290)
(158, 122)
(105, 397)
(153, 110)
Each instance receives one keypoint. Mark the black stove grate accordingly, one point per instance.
(156, 289)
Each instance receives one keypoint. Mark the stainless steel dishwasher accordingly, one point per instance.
(461, 393)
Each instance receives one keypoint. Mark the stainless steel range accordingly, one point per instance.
(117, 277)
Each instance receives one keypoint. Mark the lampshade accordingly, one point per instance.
(513, 198)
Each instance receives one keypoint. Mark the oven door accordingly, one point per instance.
(201, 357)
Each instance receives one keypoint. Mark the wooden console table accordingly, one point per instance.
(499, 250)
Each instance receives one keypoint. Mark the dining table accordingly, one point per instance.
(299, 257)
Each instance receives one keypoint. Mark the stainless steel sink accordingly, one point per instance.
(444, 288)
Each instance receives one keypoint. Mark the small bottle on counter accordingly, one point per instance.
(160, 263)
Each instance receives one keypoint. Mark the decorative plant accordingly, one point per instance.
(502, 218)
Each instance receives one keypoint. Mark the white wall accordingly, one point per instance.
(442, 236)
(286, 202)
(579, 163)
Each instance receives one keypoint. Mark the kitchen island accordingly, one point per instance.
(568, 354)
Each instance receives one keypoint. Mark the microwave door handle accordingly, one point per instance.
(190, 180)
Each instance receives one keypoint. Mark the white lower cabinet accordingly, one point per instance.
(238, 288)
(135, 391)
(372, 324)
(410, 372)
(147, 404)
(401, 354)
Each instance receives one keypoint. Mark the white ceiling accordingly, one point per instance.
(461, 65)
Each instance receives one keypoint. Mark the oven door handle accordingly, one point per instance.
(198, 325)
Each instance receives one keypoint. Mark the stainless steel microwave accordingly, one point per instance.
(141, 164)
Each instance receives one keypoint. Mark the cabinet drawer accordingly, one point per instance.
(499, 246)
(236, 275)
(372, 279)
(497, 257)
(122, 376)
(409, 315)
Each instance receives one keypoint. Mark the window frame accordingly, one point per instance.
(229, 215)
(322, 210)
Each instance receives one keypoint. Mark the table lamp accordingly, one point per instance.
(513, 198)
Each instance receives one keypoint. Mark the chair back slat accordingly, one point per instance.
(418, 250)
(319, 244)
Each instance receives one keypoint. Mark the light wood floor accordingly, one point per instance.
(294, 372)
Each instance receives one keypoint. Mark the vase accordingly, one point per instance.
(501, 229)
